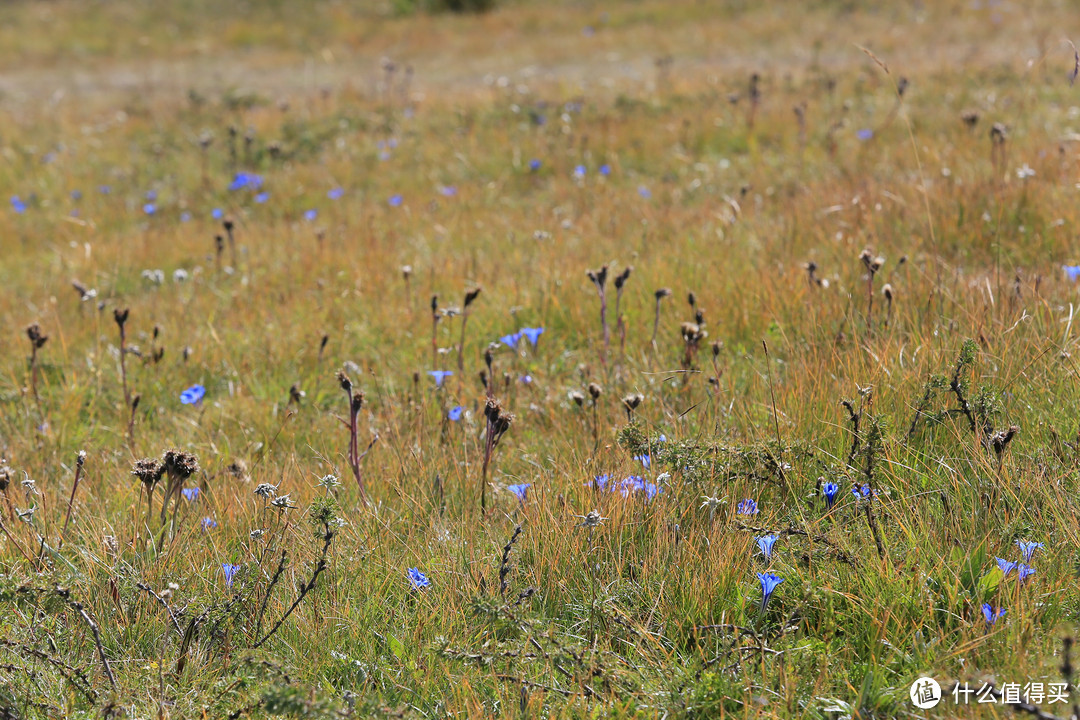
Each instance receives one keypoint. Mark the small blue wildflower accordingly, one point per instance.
(230, 570)
(644, 192)
(645, 460)
(1006, 566)
(151, 195)
(533, 334)
(766, 543)
(861, 492)
(418, 579)
(637, 484)
(768, 585)
(605, 169)
(243, 180)
(662, 439)
(209, 523)
(1028, 548)
(448, 191)
(395, 200)
(217, 213)
(746, 507)
(76, 195)
(1072, 272)
(336, 194)
(310, 215)
(262, 197)
(1023, 572)
(104, 189)
(455, 413)
(534, 164)
(511, 340)
(190, 494)
(17, 204)
(384, 155)
(990, 614)
(600, 482)
(439, 376)
(521, 490)
(864, 134)
(525, 379)
(193, 395)
(185, 216)
(830, 489)
(149, 208)
(579, 171)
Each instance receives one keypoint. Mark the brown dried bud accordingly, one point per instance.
(595, 391)
(344, 381)
(662, 293)
(471, 295)
(633, 400)
(120, 316)
(180, 464)
(622, 277)
(148, 470)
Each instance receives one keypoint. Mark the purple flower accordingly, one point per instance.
(149, 208)
(190, 494)
(1006, 566)
(600, 482)
(990, 614)
(644, 192)
(579, 172)
(184, 216)
(17, 204)
(230, 570)
(1072, 272)
(605, 169)
(645, 460)
(217, 213)
(533, 334)
(455, 413)
(336, 193)
(448, 190)
(104, 189)
(534, 164)
(1028, 548)
(262, 197)
(209, 523)
(636, 484)
(310, 215)
(864, 134)
(521, 490)
(766, 543)
(151, 195)
(193, 395)
(1023, 572)
(245, 180)
(511, 340)
(418, 579)
(768, 585)
(746, 507)
(439, 376)
(395, 200)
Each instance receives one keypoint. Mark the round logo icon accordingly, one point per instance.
(925, 693)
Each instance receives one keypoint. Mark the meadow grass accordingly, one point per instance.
(860, 263)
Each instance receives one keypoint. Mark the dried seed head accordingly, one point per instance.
(80, 459)
(662, 293)
(999, 133)
(873, 263)
(691, 333)
(148, 470)
(471, 295)
(887, 291)
(406, 271)
(295, 393)
(357, 402)
(135, 402)
(120, 316)
(344, 381)
(1000, 440)
(435, 306)
(238, 469)
(180, 464)
(692, 299)
(699, 316)
(577, 397)
(633, 400)
(716, 348)
(228, 224)
(595, 391)
(970, 118)
(622, 277)
(599, 277)
(36, 337)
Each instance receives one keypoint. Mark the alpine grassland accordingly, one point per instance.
(567, 359)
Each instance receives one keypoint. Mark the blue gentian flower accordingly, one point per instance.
(1072, 272)
(244, 180)
(534, 164)
(310, 215)
(439, 376)
(104, 189)
(605, 169)
(766, 542)
(230, 570)
(1023, 572)
(448, 190)
(579, 171)
(768, 585)
(418, 579)
(151, 195)
(336, 193)
(746, 507)
(17, 204)
(455, 413)
(209, 523)
(864, 134)
(1006, 566)
(521, 490)
(190, 494)
(533, 334)
(861, 492)
(262, 197)
(600, 482)
(644, 192)
(637, 484)
(217, 213)
(525, 379)
(395, 200)
(645, 460)
(193, 395)
(1028, 548)
(149, 208)
(511, 340)
(184, 216)
(830, 489)
(992, 615)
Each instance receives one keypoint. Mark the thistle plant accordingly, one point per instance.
(872, 263)
(658, 295)
(470, 297)
(121, 317)
(620, 322)
(497, 423)
(599, 279)
(356, 402)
